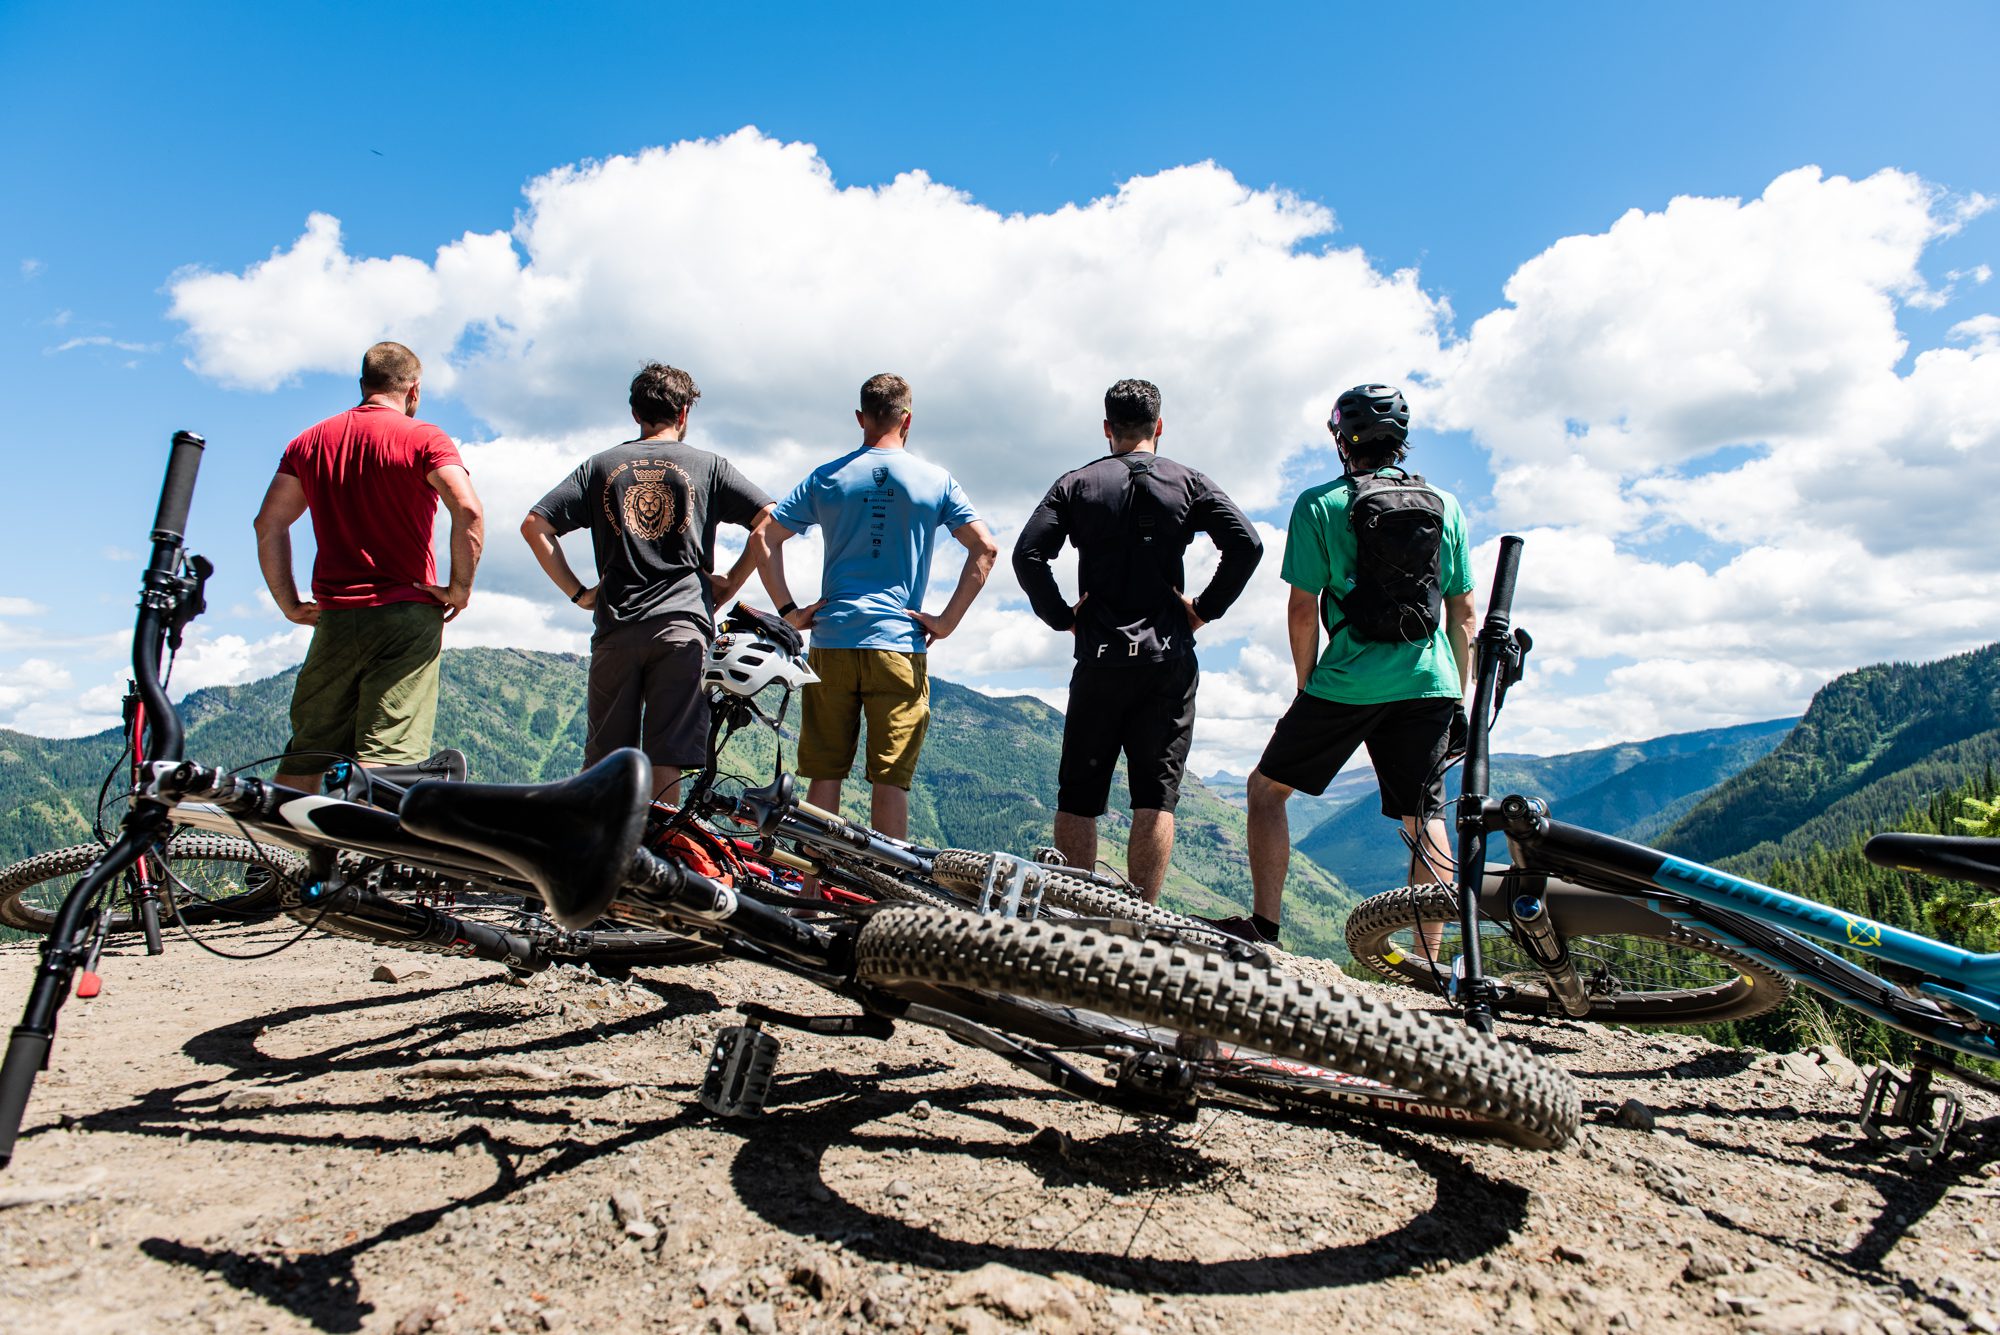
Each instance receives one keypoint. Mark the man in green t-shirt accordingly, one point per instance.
(1397, 699)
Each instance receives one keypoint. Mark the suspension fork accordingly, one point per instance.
(1495, 654)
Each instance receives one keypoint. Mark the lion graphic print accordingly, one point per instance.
(647, 498)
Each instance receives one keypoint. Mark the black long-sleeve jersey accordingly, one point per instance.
(1131, 517)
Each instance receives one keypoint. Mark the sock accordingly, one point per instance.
(1266, 927)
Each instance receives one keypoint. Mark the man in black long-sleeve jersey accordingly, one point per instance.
(1131, 516)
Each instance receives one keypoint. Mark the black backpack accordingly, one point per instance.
(1398, 525)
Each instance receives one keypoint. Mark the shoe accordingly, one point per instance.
(1243, 929)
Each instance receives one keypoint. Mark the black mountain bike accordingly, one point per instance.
(1170, 1021)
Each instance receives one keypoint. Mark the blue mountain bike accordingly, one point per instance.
(1584, 925)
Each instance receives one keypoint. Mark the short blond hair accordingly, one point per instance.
(388, 368)
(885, 398)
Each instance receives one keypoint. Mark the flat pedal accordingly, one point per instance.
(741, 1067)
(1911, 1100)
(1013, 887)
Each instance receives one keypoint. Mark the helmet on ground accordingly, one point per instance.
(1370, 413)
(745, 664)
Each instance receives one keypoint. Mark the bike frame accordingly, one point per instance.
(1924, 976)
(1932, 991)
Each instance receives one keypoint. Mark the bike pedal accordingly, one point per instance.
(88, 985)
(741, 1067)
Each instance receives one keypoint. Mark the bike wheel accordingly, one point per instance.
(207, 875)
(965, 870)
(1660, 972)
(1243, 1018)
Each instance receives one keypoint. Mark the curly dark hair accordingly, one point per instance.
(660, 393)
(1132, 406)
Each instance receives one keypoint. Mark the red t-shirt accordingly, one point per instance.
(364, 474)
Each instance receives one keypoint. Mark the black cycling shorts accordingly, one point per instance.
(1146, 711)
(1405, 739)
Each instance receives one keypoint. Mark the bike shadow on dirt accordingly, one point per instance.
(235, 1047)
(778, 1176)
(323, 1287)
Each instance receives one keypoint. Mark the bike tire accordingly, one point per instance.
(1664, 974)
(1467, 1080)
(965, 870)
(32, 889)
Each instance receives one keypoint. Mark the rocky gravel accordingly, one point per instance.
(300, 1143)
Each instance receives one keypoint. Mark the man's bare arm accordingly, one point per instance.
(541, 537)
(768, 541)
(283, 503)
(1461, 622)
(1302, 627)
(468, 537)
(980, 553)
(727, 586)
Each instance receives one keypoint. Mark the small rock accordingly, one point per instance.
(921, 1110)
(899, 1190)
(383, 974)
(714, 1279)
(1635, 1116)
(553, 1318)
(820, 1275)
(1704, 1264)
(760, 1319)
(1013, 1293)
(252, 1098)
(420, 1320)
(1574, 1255)
(628, 1210)
(1049, 1141)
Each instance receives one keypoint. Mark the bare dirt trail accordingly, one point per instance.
(258, 1146)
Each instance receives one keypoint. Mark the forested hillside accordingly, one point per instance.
(1621, 789)
(1871, 742)
(987, 780)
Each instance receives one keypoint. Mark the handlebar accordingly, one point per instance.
(177, 491)
(1500, 608)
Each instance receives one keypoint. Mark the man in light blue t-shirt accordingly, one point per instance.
(880, 508)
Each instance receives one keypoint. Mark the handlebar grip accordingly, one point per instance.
(177, 491)
(26, 1053)
(1500, 608)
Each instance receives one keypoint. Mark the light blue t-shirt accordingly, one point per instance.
(881, 510)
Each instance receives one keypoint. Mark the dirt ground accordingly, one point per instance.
(255, 1146)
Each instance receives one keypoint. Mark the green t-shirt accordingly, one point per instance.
(1319, 556)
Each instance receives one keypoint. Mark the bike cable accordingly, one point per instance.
(271, 867)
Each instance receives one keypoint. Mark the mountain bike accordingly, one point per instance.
(854, 860)
(1586, 925)
(1172, 1022)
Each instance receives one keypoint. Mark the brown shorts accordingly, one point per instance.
(645, 691)
(892, 689)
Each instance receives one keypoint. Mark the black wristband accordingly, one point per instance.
(788, 609)
(581, 589)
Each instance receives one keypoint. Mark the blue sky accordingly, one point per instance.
(143, 142)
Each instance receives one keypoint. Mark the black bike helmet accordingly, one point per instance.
(1369, 413)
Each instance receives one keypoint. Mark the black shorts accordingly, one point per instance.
(1405, 739)
(1145, 710)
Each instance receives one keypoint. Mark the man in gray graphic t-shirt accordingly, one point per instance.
(652, 506)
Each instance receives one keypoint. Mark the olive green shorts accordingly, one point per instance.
(369, 686)
(891, 690)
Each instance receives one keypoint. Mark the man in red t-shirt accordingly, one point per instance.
(371, 478)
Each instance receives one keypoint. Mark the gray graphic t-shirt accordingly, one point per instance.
(652, 507)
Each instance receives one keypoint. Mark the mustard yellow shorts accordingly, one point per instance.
(892, 690)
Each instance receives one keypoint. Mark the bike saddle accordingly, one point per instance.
(385, 785)
(1955, 857)
(573, 840)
